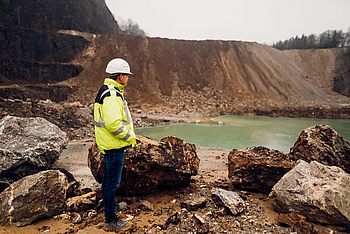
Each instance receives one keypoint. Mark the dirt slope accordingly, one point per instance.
(177, 76)
(169, 72)
(320, 67)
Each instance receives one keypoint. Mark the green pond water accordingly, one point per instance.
(245, 131)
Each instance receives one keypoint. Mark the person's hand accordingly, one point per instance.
(133, 143)
(132, 139)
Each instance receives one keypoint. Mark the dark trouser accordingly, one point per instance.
(113, 167)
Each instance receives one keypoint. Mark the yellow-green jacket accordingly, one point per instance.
(114, 128)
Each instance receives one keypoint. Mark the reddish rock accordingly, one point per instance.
(152, 164)
(95, 163)
(321, 143)
(257, 168)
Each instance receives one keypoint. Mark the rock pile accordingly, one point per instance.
(306, 194)
(317, 191)
(32, 190)
(71, 117)
(27, 146)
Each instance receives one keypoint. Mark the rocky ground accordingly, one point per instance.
(187, 210)
(162, 212)
(75, 118)
(293, 83)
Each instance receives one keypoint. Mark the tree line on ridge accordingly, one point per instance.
(327, 39)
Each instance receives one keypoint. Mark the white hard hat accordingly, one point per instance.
(118, 65)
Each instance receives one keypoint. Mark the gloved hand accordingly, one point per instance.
(132, 139)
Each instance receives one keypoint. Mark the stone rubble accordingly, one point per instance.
(167, 170)
(27, 146)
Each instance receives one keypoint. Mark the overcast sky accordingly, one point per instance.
(264, 21)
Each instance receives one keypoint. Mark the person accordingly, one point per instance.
(114, 132)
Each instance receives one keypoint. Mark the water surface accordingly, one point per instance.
(245, 131)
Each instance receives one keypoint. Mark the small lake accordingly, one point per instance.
(245, 131)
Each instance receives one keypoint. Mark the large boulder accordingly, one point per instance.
(257, 168)
(33, 197)
(95, 163)
(152, 164)
(321, 143)
(318, 192)
(27, 146)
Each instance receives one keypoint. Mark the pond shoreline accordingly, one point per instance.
(155, 118)
(229, 132)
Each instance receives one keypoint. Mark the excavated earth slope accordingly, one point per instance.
(180, 73)
(46, 43)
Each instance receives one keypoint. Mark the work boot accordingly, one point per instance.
(115, 225)
(121, 223)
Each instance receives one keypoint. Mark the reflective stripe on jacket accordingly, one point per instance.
(114, 128)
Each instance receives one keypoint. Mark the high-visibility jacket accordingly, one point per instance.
(114, 128)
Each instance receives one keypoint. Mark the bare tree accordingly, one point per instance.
(130, 28)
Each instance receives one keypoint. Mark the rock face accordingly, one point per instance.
(28, 145)
(321, 143)
(151, 164)
(4, 183)
(257, 168)
(33, 47)
(52, 15)
(33, 197)
(39, 56)
(318, 192)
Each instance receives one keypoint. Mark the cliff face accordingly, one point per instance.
(32, 47)
(51, 15)
(38, 56)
